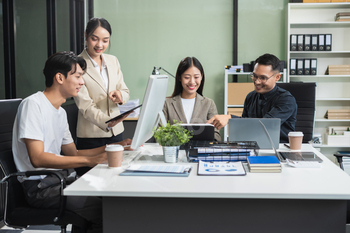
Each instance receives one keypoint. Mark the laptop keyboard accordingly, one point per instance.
(129, 156)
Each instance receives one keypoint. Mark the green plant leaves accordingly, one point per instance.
(172, 135)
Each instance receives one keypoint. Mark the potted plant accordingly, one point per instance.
(171, 137)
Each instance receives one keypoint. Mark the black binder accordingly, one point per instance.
(300, 42)
(307, 42)
(293, 66)
(328, 42)
(300, 66)
(307, 66)
(321, 42)
(314, 42)
(313, 66)
(293, 42)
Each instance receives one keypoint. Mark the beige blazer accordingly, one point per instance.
(95, 108)
(204, 109)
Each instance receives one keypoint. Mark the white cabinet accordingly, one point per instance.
(332, 91)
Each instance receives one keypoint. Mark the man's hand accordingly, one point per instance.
(116, 97)
(127, 142)
(219, 121)
(113, 123)
(97, 159)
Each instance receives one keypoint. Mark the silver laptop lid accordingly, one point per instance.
(250, 129)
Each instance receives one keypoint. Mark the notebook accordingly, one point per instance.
(250, 129)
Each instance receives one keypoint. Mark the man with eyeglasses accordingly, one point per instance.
(267, 100)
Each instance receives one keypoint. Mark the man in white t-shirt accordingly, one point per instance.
(41, 132)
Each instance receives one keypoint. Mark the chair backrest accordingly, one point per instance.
(8, 111)
(72, 115)
(305, 96)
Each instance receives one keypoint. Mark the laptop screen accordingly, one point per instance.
(250, 129)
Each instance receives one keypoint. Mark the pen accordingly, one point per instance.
(286, 145)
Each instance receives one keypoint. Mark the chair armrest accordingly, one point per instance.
(62, 205)
(339, 158)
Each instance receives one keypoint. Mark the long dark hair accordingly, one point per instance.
(95, 23)
(183, 66)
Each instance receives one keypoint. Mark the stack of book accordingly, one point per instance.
(264, 164)
(338, 70)
(338, 114)
(342, 16)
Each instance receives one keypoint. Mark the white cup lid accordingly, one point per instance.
(115, 147)
(295, 134)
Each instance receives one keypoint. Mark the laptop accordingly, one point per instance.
(200, 132)
(252, 129)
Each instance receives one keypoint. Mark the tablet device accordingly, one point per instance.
(300, 156)
(123, 114)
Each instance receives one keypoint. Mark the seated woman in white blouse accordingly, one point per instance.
(187, 103)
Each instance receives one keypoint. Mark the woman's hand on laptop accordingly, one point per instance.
(219, 121)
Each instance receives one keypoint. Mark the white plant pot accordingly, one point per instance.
(171, 154)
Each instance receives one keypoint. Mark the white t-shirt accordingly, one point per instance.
(38, 119)
(188, 105)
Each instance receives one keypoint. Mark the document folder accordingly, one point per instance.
(320, 42)
(307, 42)
(300, 66)
(328, 42)
(293, 42)
(300, 42)
(313, 66)
(307, 67)
(157, 170)
(314, 42)
(293, 64)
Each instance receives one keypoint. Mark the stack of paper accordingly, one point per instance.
(338, 70)
(342, 16)
(338, 114)
(129, 105)
(264, 164)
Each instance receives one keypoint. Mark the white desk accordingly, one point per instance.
(296, 200)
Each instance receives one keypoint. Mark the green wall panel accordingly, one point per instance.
(162, 32)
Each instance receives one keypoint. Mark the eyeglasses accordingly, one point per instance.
(261, 78)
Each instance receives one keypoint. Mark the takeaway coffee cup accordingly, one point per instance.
(295, 140)
(114, 155)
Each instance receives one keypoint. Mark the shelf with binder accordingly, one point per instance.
(332, 91)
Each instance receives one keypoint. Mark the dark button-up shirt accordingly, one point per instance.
(277, 103)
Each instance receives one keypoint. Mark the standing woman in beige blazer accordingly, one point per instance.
(104, 88)
(187, 103)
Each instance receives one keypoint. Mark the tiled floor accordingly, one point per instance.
(35, 229)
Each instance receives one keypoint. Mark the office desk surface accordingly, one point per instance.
(327, 182)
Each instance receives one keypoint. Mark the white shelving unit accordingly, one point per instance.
(332, 91)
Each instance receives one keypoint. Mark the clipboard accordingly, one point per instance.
(157, 170)
(123, 114)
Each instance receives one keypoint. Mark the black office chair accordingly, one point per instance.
(17, 213)
(339, 158)
(72, 117)
(305, 96)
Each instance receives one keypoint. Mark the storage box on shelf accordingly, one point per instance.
(338, 135)
(332, 91)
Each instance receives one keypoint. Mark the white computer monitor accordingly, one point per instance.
(151, 110)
